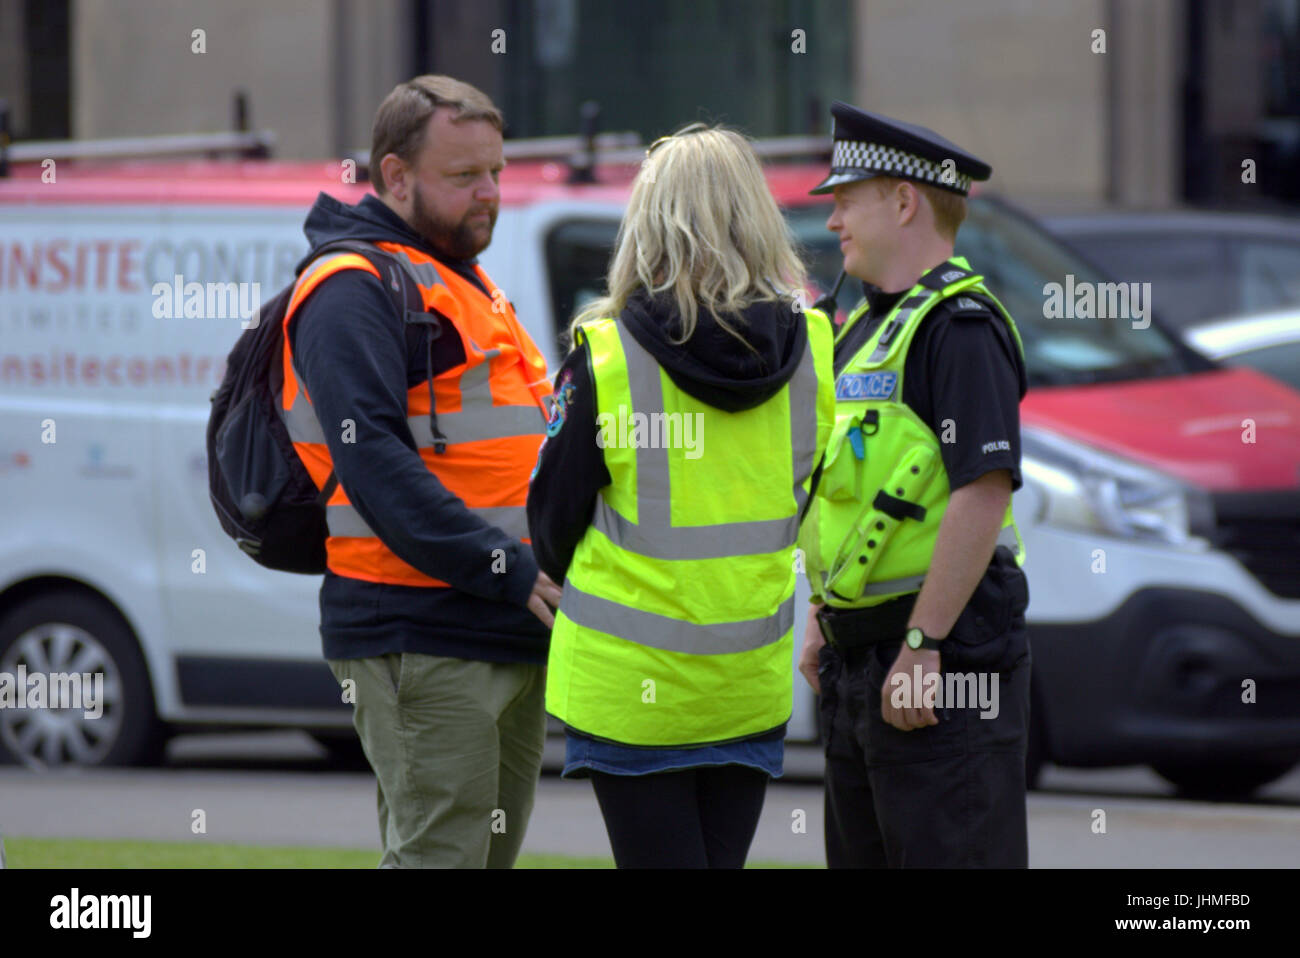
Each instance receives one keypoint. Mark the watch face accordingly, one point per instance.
(914, 638)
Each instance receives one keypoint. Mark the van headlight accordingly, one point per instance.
(1092, 491)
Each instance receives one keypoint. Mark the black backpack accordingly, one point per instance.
(262, 493)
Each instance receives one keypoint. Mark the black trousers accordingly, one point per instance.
(691, 818)
(950, 795)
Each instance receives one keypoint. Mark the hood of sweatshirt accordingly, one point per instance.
(713, 365)
(371, 221)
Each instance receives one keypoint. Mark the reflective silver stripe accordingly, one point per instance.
(906, 584)
(653, 534)
(300, 419)
(344, 520)
(697, 542)
(475, 383)
(512, 520)
(497, 423)
(674, 635)
(479, 418)
(426, 274)
(905, 310)
(803, 427)
(1007, 537)
(653, 485)
(882, 349)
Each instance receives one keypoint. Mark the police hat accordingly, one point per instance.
(868, 144)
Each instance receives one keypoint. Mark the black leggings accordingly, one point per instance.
(691, 818)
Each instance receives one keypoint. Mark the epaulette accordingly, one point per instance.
(967, 306)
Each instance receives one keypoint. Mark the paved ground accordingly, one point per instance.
(279, 790)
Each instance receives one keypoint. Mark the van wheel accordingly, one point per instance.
(60, 634)
(1221, 780)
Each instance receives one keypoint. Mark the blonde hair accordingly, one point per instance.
(702, 224)
(949, 208)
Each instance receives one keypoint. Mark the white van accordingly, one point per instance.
(1163, 549)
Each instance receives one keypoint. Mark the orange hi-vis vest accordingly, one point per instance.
(490, 414)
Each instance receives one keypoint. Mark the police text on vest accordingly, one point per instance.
(102, 911)
(879, 385)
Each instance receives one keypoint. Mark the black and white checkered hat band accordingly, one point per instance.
(849, 156)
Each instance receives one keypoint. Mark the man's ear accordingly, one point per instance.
(908, 198)
(395, 175)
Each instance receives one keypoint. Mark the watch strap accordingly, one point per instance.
(926, 642)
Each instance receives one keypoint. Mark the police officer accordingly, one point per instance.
(916, 638)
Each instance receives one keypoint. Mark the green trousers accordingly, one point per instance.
(456, 746)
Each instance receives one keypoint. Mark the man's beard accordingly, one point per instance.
(453, 240)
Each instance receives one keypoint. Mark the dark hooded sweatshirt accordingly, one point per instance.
(358, 360)
(713, 366)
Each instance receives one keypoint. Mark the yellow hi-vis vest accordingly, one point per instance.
(870, 532)
(676, 624)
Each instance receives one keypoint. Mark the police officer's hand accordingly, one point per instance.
(546, 596)
(813, 640)
(901, 687)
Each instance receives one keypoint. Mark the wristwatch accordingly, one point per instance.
(916, 639)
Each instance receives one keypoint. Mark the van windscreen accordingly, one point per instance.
(1077, 325)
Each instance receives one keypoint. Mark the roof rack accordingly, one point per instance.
(770, 148)
(623, 148)
(251, 144)
(256, 145)
(544, 148)
(579, 152)
(582, 151)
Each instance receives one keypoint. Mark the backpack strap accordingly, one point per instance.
(408, 303)
(396, 276)
(331, 484)
(401, 276)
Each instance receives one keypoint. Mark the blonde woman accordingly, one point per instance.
(686, 425)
